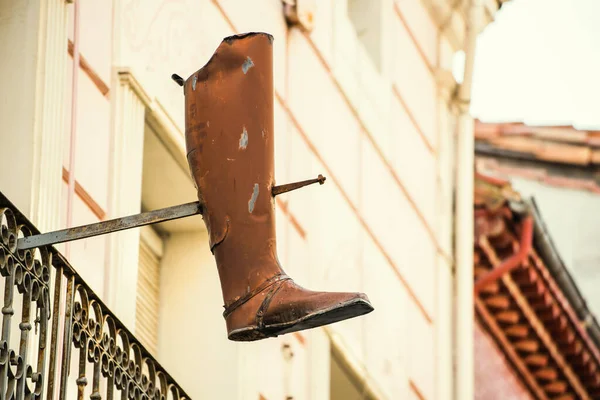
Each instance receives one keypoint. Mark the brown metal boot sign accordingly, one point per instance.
(230, 145)
(230, 140)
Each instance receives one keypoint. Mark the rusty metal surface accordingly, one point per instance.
(54, 337)
(230, 145)
(39, 363)
(277, 190)
(113, 225)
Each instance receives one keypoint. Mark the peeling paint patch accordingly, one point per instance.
(263, 134)
(244, 139)
(194, 81)
(253, 198)
(247, 65)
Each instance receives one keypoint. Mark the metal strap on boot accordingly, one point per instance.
(265, 306)
(269, 282)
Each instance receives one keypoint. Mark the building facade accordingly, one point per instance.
(363, 95)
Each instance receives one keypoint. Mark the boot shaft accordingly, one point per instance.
(230, 146)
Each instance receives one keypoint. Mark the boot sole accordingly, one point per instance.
(340, 312)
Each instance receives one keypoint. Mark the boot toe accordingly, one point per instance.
(293, 308)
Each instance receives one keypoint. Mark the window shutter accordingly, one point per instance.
(148, 289)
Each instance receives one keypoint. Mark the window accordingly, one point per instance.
(165, 182)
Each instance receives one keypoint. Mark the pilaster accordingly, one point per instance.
(129, 102)
(50, 113)
(444, 228)
(33, 77)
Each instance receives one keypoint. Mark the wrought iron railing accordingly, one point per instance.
(59, 340)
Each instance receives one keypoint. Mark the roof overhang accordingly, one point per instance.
(560, 156)
(535, 312)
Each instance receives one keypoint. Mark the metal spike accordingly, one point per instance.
(296, 185)
(179, 80)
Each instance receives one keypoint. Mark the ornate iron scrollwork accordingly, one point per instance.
(40, 331)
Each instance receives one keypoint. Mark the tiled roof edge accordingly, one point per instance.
(547, 250)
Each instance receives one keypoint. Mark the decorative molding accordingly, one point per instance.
(168, 132)
(127, 79)
(446, 84)
(50, 112)
(450, 17)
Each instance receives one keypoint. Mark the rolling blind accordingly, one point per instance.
(148, 289)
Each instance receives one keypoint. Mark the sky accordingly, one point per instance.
(539, 63)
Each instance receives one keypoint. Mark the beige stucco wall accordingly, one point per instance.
(380, 225)
(373, 227)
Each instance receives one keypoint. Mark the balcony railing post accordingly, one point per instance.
(24, 327)
(54, 338)
(82, 379)
(68, 337)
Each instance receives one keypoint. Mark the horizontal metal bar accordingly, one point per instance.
(113, 225)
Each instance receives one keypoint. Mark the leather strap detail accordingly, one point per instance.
(269, 282)
(265, 306)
